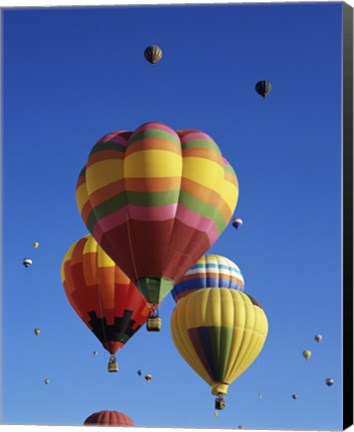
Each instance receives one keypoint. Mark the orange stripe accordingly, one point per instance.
(100, 156)
(204, 153)
(107, 192)
(153, 144)
(149, 184)
(86, 210)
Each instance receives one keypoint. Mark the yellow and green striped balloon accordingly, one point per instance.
(156, 200)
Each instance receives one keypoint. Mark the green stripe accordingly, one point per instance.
(155, 133)
(202, 208)
(229, 169)
(152, 199)
(106, 208)
(109, 145)
(221, 341)
(200, 143)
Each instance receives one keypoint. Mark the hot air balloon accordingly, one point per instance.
(37, 331)
(140, 372)
(27, 262)
(237, 222)
(35, 245)
(109, 418)
(263, 88)
(306, 354)
(156, 200)
(103, 296)
(210, 271)
(219, 333)
(148, 377)
(329, 382)
(260, 396)
(153, 54)
(95, 353)
(294, 396)
(318, 338)
(46, 381)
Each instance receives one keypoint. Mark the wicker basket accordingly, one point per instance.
(153, 324)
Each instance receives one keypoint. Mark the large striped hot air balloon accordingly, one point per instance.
(211, 271)
(156, 200)
(109, 418)
(103, 296)
(219, 333)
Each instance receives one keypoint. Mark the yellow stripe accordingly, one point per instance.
(81, 197)
(103, 173)
(67, 257)
(153, 163)
(205, 172)
(230, 194)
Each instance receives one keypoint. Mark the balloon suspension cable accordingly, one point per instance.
(154, 311)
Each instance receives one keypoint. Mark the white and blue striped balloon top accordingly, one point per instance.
(210, 271)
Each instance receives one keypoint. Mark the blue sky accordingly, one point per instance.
(70, 76)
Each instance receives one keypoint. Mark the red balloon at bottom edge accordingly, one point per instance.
(109, 418)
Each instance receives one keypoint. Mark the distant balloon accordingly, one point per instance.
(148, 377)
(95, 353)
(260, 396)
(37, 331)
(294, 396)
(153, 54)
(329, 382)
(318, 338)
(237, 222)
(46, 381)
(263, 88)
(27, 262)
(306, 354)
(35, 245)
(109, 418)
(140, 372)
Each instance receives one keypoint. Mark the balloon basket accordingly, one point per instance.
(220, 403)
(153, 324)
(113, 364)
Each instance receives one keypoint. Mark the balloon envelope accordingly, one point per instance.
(318, 338)
(109, 418)
(219, 332)
(156, 200)
(153, 54)
(103, 296)
(237, 222)
(306, 354)
(329, 382)
(210, 271)
(27, 262)
(263, 88)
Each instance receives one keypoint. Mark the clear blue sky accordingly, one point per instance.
(73, 74)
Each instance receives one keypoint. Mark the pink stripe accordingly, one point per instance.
(120, 216)
(156, 125)
(194, 135)
(115, 137)
(198, 222)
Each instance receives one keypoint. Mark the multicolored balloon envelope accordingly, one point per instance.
(219, 332)
(156, 200)
(109, 418)
(153, 54)
(211, 271)
(102, 295)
